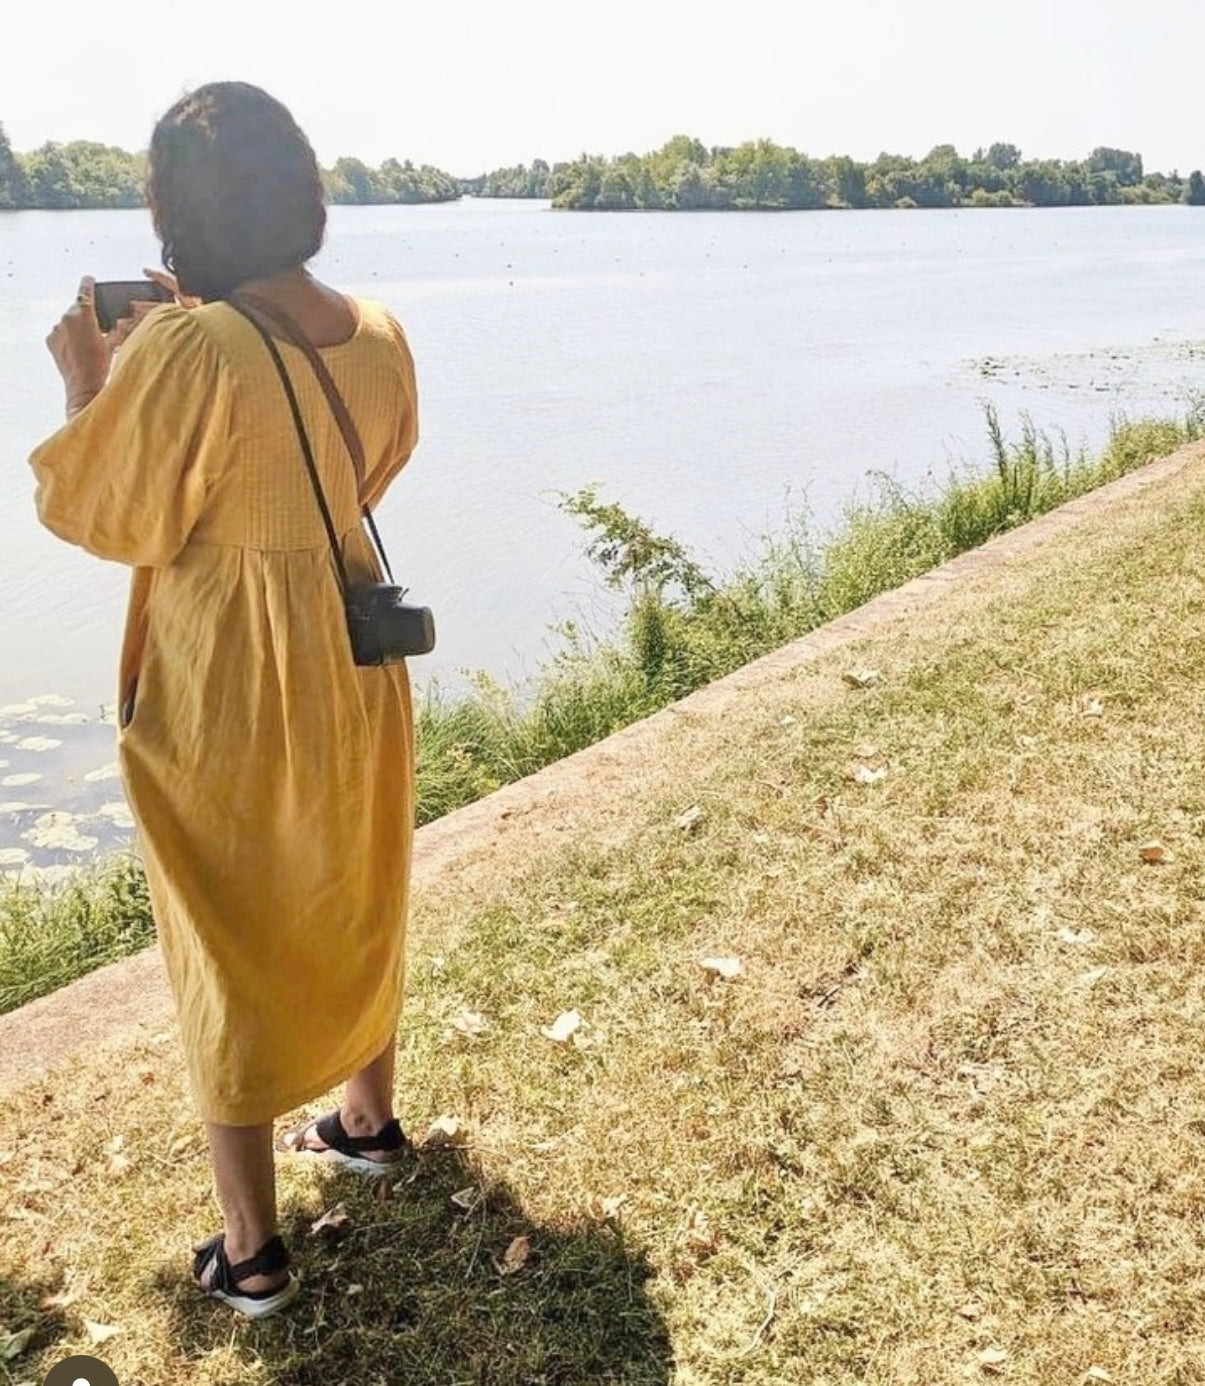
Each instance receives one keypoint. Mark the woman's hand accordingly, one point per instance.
(80, 350)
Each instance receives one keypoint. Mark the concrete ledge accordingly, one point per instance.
(130, 998)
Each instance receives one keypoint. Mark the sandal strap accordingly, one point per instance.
(331, 1132)
(271, 1258)
(268, 1260)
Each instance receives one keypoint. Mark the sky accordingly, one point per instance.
(470, 85)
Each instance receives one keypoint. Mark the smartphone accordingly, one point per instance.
(114, 299)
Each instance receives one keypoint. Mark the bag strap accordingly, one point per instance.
(304, 439)
(346, 425)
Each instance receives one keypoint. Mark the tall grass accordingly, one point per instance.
(683, 628)
(51, 935)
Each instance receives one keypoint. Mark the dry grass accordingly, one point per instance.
(952, 1107)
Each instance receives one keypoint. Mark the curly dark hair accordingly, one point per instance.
(234, 188)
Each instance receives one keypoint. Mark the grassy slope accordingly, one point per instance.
(953, 1106)
(685, 628)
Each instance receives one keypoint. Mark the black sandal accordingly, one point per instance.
(225, 1279)
(349, 1151)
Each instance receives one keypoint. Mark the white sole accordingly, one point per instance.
(261, 1308)
(358, 1164)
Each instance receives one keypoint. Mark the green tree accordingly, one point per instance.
(1195, 194)
(12, 177)
(1125, 166)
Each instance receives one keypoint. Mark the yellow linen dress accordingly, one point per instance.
(271, 779)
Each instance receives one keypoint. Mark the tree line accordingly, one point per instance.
(85, 174)
(682, 175)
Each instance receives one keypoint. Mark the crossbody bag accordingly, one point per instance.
(382, 626)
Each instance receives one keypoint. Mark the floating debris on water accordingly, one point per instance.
(72, 811)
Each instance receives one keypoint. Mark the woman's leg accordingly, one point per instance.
(368, 1100)
(367, 1107)
(245, 1176)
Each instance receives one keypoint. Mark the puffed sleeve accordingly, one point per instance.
(402, 405)
(127, 478)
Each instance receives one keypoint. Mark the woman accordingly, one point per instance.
(271, 778)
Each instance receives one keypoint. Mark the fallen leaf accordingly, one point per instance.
(1154, 853)
(1076, 939)
(100, 1332)
(992, 1359)
(444, 1133)
(334, 1220)
(612, 1205)
(971, 1311)
(724, 968)
(787, 721)
(690, 819)
(563, 1028)
(1090, 978)
(118, 1164)
(355, 1290)
(470, 1024)
(866, 774)
(466, 1199)
(12, 1345)
(861, 678)
(1092, 707)
(1097, 1374)
(514, 1258)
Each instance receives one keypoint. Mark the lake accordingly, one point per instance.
(707, 369)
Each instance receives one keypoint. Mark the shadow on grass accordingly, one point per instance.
(411, 1291)
(21, 1307)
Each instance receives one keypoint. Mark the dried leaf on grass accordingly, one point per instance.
(992, 1359)
(470, 1024)
(1154, 853)
(466, 1199)
(725, 969)
(444, 1133)
(1076, 938)
(514, 1258)
(861, 678)
(12, 1345)
(1092, 707)
(100, 1332)
(333, 1222)
(1092, 976)
(563, 1028)
(1097, 1374)
(690, 819)
(869, 774)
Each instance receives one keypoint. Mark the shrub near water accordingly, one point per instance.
(684, 628)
